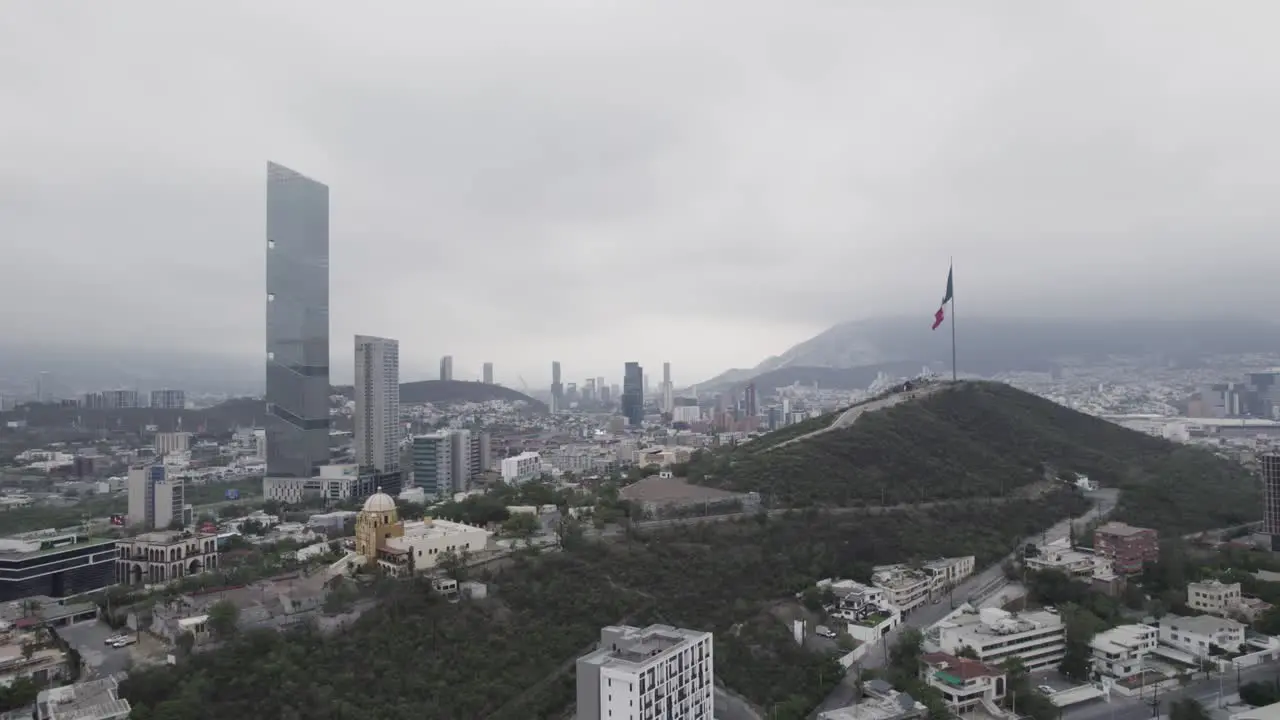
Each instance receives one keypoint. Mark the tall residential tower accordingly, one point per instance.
(633, 394)
(297, 324)
(446, 367)
(377, 390)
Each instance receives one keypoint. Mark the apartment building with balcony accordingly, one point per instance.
(965, 684)
(1038, 638)
(908, 588)
(654, 673)
(1121, 651)
(1127, 547)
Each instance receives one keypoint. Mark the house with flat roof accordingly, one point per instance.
(94, 700)
(1197, 635)
(1038, 638)
(1121, 651)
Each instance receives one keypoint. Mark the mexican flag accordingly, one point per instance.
(939, 316)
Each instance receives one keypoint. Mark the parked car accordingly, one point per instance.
(1045, 689)
(114, 639)
(824, 631)
(124, 642)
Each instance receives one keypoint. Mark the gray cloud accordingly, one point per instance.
(705, 183)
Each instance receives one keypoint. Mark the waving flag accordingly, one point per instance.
(939, 316)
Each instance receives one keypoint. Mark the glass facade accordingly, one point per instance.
(297, 323)
(633, 393)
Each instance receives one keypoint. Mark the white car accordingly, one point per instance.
(1045, 690)
(114, 639)
(124, 642)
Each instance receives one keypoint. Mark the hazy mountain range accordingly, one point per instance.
(991, 345)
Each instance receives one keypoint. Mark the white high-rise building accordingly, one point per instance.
(654, 673)
(668, 402)
(377, 390)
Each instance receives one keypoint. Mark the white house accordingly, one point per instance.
(865, 609)
(1121, 651)
(1213, 597)
(1196, 635)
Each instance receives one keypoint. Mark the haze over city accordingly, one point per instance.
(703, 184)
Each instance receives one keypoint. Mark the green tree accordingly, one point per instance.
(1187, 709)
(521, 525)
(185, 642)
(455, 564)
(223, 619)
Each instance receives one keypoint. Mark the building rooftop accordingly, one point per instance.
(982, 627)
(1122, 638)
(1200, 624)
(897, 577)
(36, 542)
(95, 700)
(631, 646)
(1116, 527)
(959, 668)
(893, 707)
(169, 537)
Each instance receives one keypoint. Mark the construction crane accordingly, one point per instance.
(523, 384)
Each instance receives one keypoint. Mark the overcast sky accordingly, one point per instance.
(702, 182)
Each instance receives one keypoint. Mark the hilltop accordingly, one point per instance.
(981, 439)
(830, 378)
(448, 391)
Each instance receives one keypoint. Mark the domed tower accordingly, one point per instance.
(376, 523)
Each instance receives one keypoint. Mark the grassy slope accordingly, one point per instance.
(988, 439)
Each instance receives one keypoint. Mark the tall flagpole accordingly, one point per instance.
(951, 274)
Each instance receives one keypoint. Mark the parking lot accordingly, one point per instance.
(88, 638)
(1053, 679)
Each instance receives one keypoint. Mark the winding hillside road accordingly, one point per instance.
(848, 417)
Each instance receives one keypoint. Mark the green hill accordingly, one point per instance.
(445, 391)
(982, 439)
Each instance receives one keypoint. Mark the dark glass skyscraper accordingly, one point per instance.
(297, 323)
(633, 393)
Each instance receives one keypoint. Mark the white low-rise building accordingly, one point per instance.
(1214, 597)
(1039, 638)
(521, 468)
(423, 542)
(1060, 556)
(1121, 651)
(1196, 635)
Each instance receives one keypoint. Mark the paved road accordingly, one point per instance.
(923, 617)
(618, 530)
(1205, 691)
(848, 417)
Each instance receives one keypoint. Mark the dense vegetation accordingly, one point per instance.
(511, 656)
(983, 440)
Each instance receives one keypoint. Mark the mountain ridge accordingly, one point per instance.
(988, 345)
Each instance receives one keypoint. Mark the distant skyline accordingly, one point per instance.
(545, 181)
